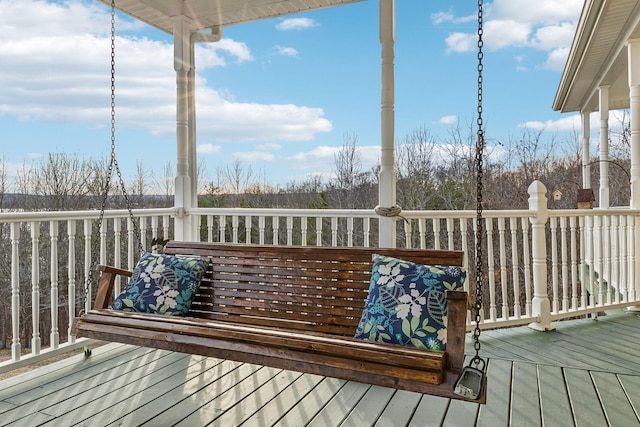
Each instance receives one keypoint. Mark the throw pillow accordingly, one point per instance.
(162, 284)
(406, 304)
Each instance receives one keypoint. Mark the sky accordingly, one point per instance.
(280, 96)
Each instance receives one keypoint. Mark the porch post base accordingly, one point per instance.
(634, 308)
(538, 326)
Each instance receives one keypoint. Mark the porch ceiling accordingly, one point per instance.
(598, 56)
(215, 13)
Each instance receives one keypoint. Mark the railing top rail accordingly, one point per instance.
(6, 217)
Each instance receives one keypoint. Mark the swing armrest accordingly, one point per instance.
(106, 283)
(457, 305)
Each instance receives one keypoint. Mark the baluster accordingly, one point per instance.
(334, 231)
(493, 312)
(261, 229)
(574, 263)
(318, 231)
(103, 242)
(222, 228)
(142, 223)
(71, 272)
(465, 249)
(55, 332)
(350, 231)
(600, 260)
(564, 263)
(591, 258)
(248, 222)
(35, 287)
(624, 259)
(303, 231)
(166, 226)
(436, 233)
(631, 224)
(614, 256)
(583, 223)
(553, 225)
(526, 261)
(289, 224)
(407, 233)
(504, 287)
(131, 238)
(235, 223)
(87, 264)
(366, 228)
(450, 233)
(422, 232)
(209, 228)
(515, 267)
(117, 250)
(16, 347)
(154, 226)
(275, 221)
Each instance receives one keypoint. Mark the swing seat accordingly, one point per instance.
(294, 308)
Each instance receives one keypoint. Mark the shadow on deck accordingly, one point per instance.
(585, 373)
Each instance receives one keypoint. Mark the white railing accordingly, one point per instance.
(538, 265)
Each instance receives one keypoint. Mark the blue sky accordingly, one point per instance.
(278, 95)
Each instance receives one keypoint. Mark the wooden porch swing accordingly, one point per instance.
(298, 308)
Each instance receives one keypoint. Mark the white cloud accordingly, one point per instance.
(271, 146)
(253, 156)
(545, 25)
(319, 161)
(208, 149)
(285, 51)
(448, 120)
(296, 24)
(58, 55)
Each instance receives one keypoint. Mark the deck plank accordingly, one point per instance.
(369, 408)
(400, 409)
(497, 408)
(312, 404)
(339, 407)
(618, 409)
(298, 391)
(554, 401)
(430, 412)
(584, 399)
(525, 403)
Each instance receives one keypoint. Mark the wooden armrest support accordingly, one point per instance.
(106, 282)
(457, 303)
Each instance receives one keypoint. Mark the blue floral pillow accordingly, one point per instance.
(406, 303)
(162, 284)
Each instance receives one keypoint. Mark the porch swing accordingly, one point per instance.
(296, 307)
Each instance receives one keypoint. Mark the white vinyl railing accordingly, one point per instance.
(538, 265)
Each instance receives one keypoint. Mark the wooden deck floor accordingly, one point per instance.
(586, 373)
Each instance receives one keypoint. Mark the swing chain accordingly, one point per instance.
(480, 144)
(113, 164)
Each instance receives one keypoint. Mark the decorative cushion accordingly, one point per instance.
(406, 303)
(162, 284)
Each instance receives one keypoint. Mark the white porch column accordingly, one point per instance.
(387, 177)
(604, 147)
(634, 95)
(192, 155)
(586, 149)
(182, 64)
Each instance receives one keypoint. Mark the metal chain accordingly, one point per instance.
(113, 164)
(479, 175)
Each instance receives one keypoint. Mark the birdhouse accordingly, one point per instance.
(557, 195)
(585, 198)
